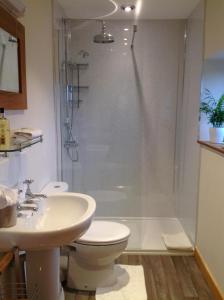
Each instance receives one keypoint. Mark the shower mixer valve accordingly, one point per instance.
(67, 122)
(69, 144)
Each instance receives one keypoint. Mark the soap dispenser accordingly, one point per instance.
(4, 131)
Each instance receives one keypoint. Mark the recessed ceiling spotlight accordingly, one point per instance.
(127, 8)
(126, 29)
(125, 39)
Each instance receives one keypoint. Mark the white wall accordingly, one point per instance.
(187, 149)
(126, 122)
(38, 162)
(213, 78)
(211, 206)
(59, 58)
(210, 241)
(214, 29)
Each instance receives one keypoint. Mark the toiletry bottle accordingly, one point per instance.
(4, 131)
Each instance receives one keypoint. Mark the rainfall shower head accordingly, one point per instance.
(103, 37)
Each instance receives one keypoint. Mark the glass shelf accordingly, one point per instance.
(81, 87)
(81, 66)
(20, 143)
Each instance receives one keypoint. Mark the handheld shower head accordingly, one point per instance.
(103, 37)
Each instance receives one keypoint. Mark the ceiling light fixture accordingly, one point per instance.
(127, 8)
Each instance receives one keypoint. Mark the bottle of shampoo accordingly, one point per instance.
(4, 131)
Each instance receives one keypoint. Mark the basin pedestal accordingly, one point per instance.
(43, 274)
(60, 219)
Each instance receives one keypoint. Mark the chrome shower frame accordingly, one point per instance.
(71, 143)
(135, 29)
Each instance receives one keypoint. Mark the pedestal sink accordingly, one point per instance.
(60, 219)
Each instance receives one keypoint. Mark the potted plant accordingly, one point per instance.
(214, 110)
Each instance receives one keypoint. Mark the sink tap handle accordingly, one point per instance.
(28, 182)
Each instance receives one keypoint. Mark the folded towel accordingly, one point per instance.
(178, 241)
(28, 132)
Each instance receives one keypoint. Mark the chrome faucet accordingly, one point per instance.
(29, 196)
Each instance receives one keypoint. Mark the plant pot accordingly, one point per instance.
(216, 135)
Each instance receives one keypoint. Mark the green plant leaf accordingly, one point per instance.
(213, 109)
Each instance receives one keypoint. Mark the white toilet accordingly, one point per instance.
(92, 257)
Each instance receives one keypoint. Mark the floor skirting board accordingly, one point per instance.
(208, 276)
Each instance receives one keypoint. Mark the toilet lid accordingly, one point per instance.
(105, 232)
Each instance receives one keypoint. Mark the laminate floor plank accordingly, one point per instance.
(173, 282)
(166, 278)
(200, 284)
(185, 279)
(161, 283)
(150, 282)
(134, 260)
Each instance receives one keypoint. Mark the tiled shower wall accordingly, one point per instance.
(127, 117)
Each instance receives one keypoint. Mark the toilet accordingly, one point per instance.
(92, 257)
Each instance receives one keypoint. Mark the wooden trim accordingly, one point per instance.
(216, 147)
(10, 100)
(208, 276)
(5, 261)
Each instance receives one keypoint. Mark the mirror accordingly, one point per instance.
(12, 63)
(9, 67)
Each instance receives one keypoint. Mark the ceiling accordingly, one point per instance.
(146, 9)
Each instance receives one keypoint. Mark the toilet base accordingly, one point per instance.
(88, 278)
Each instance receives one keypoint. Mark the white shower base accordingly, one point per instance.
(146, 233)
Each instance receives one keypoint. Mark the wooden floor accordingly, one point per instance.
(166, 278)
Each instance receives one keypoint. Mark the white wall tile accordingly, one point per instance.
(126, 122)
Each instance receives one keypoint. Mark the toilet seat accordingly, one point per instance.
(102, 233)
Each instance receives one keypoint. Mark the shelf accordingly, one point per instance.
(20, 143)
(212, 146)
(81, 87)
(81, 66)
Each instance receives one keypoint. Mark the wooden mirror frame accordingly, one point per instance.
(13, 100)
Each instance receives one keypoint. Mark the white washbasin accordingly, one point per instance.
(61, 219)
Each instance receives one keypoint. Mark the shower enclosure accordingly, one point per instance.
(128, 118)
